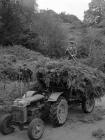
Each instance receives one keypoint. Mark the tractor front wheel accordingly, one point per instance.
(36, 129)
(5, 124)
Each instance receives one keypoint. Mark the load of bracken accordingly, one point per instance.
(73, 77)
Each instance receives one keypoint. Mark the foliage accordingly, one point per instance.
(52, 36)
(72, 19)
(71, 77)
(11, 26)
(95, 13)
(83, 48)
(92, 46)
(36, 31)
(16, 20)
(95, 18)
(29, 39)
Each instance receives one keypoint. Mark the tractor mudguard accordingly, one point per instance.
(54, 96)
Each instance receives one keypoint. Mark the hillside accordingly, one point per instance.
(17, 56)
(10, 60)
(74, 32)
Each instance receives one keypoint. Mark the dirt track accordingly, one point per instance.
(79, 126)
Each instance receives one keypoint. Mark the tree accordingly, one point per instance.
(72, 19)
(95, 13)
(11, 25)
(16, 19)
(48, 26)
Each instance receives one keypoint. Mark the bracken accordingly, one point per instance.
(71, 76)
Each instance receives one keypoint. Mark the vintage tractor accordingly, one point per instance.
(25, 111)
(34, 107)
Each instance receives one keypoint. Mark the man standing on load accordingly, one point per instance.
(71, 50)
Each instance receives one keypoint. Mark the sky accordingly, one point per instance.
(76, 7)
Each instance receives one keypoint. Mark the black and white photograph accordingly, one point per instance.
(52, 69)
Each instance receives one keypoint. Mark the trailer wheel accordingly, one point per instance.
(88, 105)
(36, 129)
(59, 111)
(5, 124)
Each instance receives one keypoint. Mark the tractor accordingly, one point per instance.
(33, 107)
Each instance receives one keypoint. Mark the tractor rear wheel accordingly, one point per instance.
(59, 111)
(88, 105)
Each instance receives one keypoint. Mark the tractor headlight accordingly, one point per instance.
(19, 103)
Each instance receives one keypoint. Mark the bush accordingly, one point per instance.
(15, 27)
(52, 36)
(83, 48)
(82, 51)
(29, 39)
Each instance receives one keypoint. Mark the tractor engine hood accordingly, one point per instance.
(26, 100)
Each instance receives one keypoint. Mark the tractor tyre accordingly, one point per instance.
(36, 129)
(59, 111)
(88, 105)
(5, 124)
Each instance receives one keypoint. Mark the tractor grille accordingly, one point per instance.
(19, 114)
